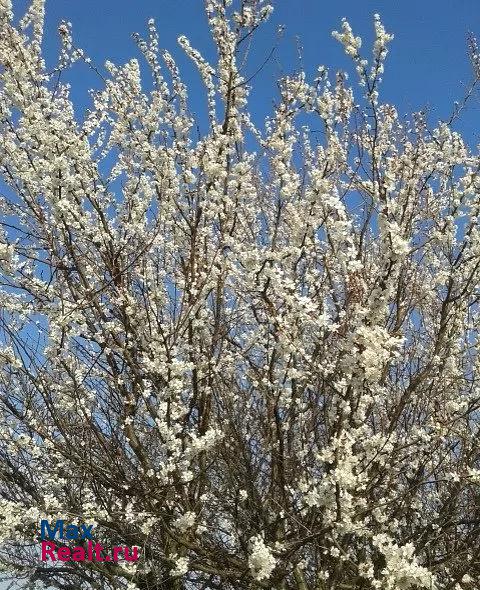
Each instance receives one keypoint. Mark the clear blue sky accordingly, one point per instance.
(426, 67)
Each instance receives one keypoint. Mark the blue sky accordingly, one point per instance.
(427, 65)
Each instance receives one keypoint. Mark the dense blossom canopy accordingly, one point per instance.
(252, 351)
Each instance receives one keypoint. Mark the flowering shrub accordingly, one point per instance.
(251, 353)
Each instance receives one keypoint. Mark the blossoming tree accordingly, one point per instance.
(250, 353)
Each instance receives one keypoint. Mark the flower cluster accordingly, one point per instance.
(250, 350)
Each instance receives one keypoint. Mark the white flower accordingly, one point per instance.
(351, 43)
(185, 521)
(261, 561)
(181, 566)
